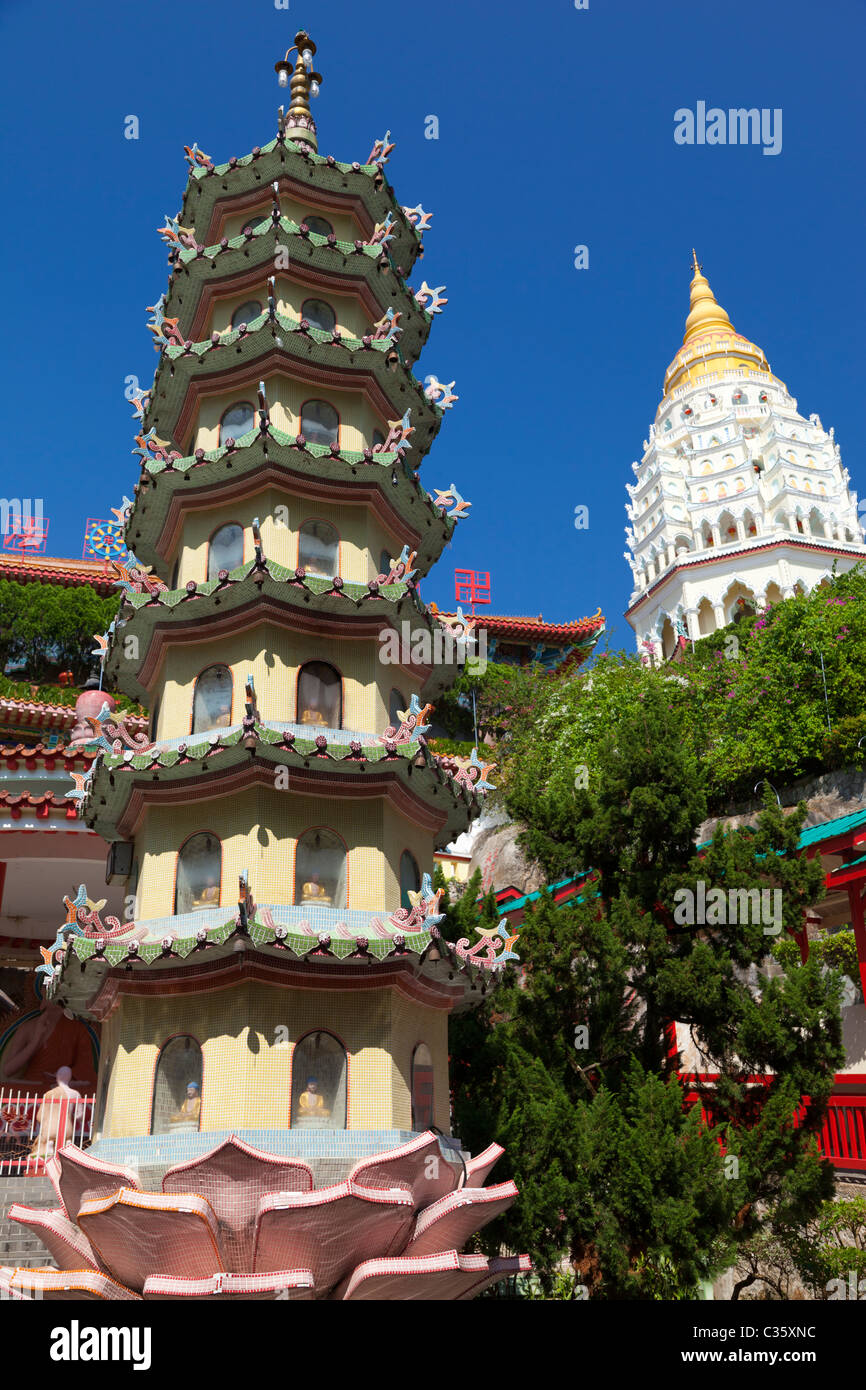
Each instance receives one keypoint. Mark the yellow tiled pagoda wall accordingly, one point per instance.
(410, 1025)
(362, 534)
(352, 319)
(259, 829)
(246, 1080)
(274, 656)
(108, 1039)
(286, 396)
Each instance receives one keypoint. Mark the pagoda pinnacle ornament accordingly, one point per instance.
(705, 313)
(738, 501)
(297, 123)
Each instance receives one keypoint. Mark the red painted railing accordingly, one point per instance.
(843, 1134)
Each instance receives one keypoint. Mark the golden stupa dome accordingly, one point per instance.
(711, 344)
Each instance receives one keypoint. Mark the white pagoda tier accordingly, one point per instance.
(738, 501)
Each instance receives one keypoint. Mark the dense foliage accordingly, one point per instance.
(571, 1065)
(749, 702)
(50, 628)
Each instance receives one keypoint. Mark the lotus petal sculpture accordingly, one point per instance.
(240, 1223)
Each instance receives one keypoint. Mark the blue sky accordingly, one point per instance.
(555, 130)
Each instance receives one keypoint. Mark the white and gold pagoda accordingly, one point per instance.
(738, 500)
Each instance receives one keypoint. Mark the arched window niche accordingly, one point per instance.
(319, 314)
(410, 878)
(238, 420)
(177, 1087)
(422, 1088)
(320, 225)
(320, 423)
(225, 549)
(199, 873)
(320, 870)
(320, 696)
(318, 548)
(245, 313)
(319, 1082)
(212, 700)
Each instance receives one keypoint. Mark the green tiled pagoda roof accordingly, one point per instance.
(280, 574)
(400, 387)
(114, 778)
(241, 254)
(829, 829)
(207, 467)
(282, 158)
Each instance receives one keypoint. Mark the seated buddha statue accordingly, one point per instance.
(313, 716)
(191, 1108)
(314, 894)
(208, 895)
(311, 1105)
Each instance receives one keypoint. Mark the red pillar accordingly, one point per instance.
(856, 905)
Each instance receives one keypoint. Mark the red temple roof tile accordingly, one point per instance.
(42, 569)
(506, 625)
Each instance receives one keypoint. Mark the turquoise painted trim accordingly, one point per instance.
(827, 830)
(533, 897)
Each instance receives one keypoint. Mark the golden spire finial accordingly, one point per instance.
(705, 314)
(297, 124)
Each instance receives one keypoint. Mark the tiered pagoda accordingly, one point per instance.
(273, 1098)
(738, 501)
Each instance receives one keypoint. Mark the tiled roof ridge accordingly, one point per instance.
(17, 705)
(482, 619)
(48, 569)
(65, 751)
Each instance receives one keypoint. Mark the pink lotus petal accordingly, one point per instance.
(67, 1246)
(478, 1169)
(234, 1177)
(286, 1283)
(82, 1178)
(134, 1233)
(418, 1167)
(330, 1230)
(444, 1276)
(449, 1223)
(71, 1284)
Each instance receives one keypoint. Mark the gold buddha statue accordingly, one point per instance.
(311, 1105)
(314, 716)
(191, 1109)
(314, 894)
(208, 895)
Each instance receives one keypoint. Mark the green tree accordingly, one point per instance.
(51, 628)
(572, 1065)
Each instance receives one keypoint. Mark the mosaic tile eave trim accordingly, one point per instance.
(163, 1150)
(296, 929)
(302, 740)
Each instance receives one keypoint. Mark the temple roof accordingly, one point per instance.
(363, 188)
(536, 629)
(27, 569)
